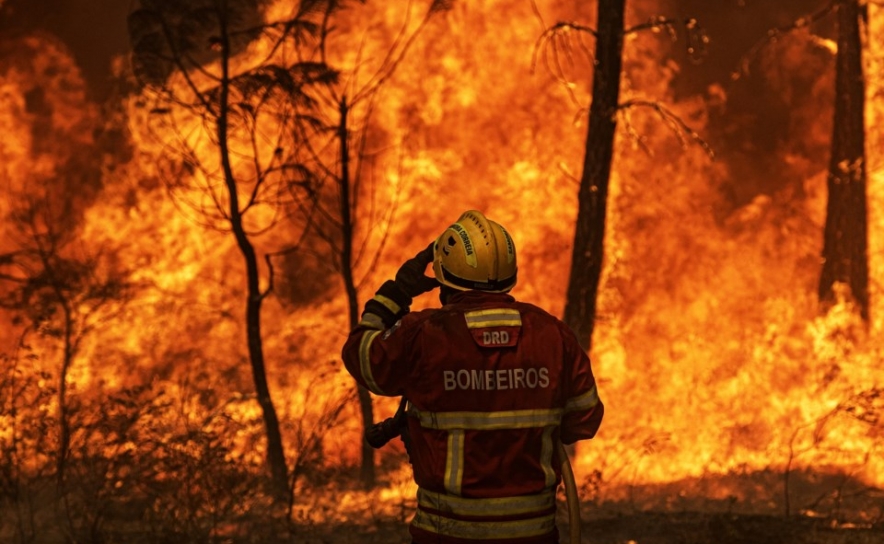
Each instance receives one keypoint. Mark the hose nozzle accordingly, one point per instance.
(380, 433)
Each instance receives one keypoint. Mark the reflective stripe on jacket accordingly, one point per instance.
(492, 383)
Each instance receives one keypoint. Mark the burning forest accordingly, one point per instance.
(193, 219)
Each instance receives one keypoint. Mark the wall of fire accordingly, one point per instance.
(711, 353)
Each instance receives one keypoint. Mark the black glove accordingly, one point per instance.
(410, 277)
(393, 299)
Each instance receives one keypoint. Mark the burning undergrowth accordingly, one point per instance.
(126, 405)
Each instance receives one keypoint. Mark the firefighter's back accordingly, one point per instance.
(487, 398)
(493, 384)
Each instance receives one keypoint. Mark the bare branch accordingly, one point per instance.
(560, 39)
(296, 26)
(678, 126)
(697, 39)
(178, 59)
(562, 29)
(655, 23)
(537, 13)
(774, 34)
(387, 224)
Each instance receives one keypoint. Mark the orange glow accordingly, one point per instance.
(712, 358)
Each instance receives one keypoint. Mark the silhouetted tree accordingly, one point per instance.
(60, 293)
(845, 236)
(347, 170)
(185, 52)
(592, 197)
(845, 240)
(589, 233)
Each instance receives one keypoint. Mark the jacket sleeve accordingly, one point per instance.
(377, 352)
(583, 407)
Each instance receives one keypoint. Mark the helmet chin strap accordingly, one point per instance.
(445, 293)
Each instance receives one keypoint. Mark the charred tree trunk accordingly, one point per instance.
(589, 235)
(68, 353)
(367, 473)
(64, 426)
(845, 247)
(275, 454)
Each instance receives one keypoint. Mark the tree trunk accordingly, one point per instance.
(367, 472)
(589, 235)
(69, 349)
(275, 454)
(64, 426)
(845, 258)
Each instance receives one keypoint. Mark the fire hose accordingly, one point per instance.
(570, 494)
(380, 433)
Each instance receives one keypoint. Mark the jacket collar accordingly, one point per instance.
(479, 297)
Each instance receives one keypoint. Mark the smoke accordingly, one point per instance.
(52, 123)
(94, 31)
(771, 109)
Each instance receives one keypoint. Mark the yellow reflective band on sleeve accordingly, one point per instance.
(488, 421)
(502, 506)
(546, 455)
(372, 321)
(454, 462)
(584, 401)
(365, 361)
(389, 303)
(500, 317)
(484, 530)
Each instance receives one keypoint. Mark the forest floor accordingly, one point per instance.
(825, 509)
(636, 527)
(335, 509)
(650, 528)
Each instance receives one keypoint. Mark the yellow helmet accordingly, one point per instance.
(475, 253)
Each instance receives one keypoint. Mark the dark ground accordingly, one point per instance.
(826, 508)
(655, 528)
(697, 528)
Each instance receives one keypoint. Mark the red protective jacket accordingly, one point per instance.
(492, 384)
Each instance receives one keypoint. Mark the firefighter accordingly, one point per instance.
(492, 384)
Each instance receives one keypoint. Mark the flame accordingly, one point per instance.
(713, 359)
